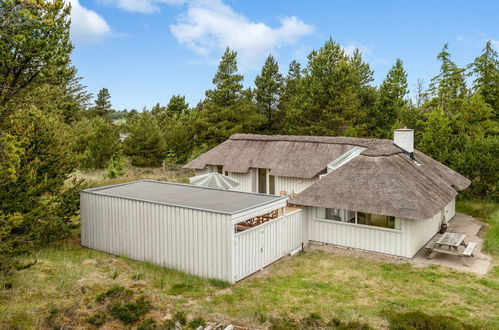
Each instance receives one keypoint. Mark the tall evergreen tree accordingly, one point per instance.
(177, 104)
(102, 103)
(334, 95)
(449, 86)
(289, 97)
(485, 69)
(269, 86)
(390, 101)
(227, 109)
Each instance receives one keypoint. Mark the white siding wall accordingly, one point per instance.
(450, 210)
(421, 231)
(193, 241)
(260, 246)
(292, 185)
(245, 181)
(406, 242)
(369, 238)
(203, 171)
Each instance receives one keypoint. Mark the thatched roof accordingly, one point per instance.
(381, 180)
(291, 156)
(392, 185)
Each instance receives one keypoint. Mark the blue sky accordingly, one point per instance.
(144, 51)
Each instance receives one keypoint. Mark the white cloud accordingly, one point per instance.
(142, 6)
(86, 25)
(351, 46)
(209, 26)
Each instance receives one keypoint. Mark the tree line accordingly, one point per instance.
(49, 126)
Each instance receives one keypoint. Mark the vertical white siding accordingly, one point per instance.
(421, 231)
(203, 171)
(450, 210)
(193, 241)
(260, 246)
(292, 185)
(245, 181)
(389, 241)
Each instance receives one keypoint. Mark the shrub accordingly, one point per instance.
(97, 319)
(115, 167)
(420, 321)
(113, 292)
(196, 323)
(147, 324)
(180, 317)
(131, 311)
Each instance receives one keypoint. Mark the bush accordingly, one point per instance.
(129, 312)
(180, 317)
(115, 167)
(97, 141)
(97, 319)
(147, 324)
(420, 321)
(196, 323)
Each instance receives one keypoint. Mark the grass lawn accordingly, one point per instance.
(66, 279)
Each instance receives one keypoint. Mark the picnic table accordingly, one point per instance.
(451, 241)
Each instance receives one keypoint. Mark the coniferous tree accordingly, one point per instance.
(102, 103)
(334, 95)
(228, 108)
(449, 87)
(157, 109)
(289, 98)
(485, 69)
(391, 101)
(268, 89)
(177, 104)
(144, 144)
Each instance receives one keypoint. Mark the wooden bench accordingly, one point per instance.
(468, 252)
(431, 243)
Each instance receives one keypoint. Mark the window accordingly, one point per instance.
(376, 220)
(335, 214)
(226, 173)
(359, 218)
(220, 169)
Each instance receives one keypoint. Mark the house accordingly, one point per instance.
(371, 194)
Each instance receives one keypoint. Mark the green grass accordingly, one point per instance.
(66, 280)
(489, 213)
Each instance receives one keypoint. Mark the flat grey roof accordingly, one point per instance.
(209, 199)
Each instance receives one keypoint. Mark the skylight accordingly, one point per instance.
(345, 158)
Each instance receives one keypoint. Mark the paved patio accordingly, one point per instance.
(470, 227)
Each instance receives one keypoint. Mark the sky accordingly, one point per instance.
(145, 51)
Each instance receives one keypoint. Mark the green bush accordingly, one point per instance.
(115, 167)
(97, 319)
(113, 292)
(147, 324)
(420, 321)
(197, 322)
(131, 311)
(180, 317)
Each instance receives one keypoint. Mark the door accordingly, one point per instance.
(262, 181)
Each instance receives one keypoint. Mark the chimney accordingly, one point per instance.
(404, 138)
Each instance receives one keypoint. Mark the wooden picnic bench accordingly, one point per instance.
(452, 241)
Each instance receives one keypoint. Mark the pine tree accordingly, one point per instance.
(177, 104)
(228, 83)
(102, 103)
(227, 109)
(144, 144)
(334, 95)
(289, 97)
(449, 86)
(269, 86)
(390, 101)
(485, 69)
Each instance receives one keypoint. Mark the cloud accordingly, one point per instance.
(351, 46)
(208, 27)
(86, 25)
(142, 6)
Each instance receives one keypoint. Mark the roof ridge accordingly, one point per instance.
(312, 139)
